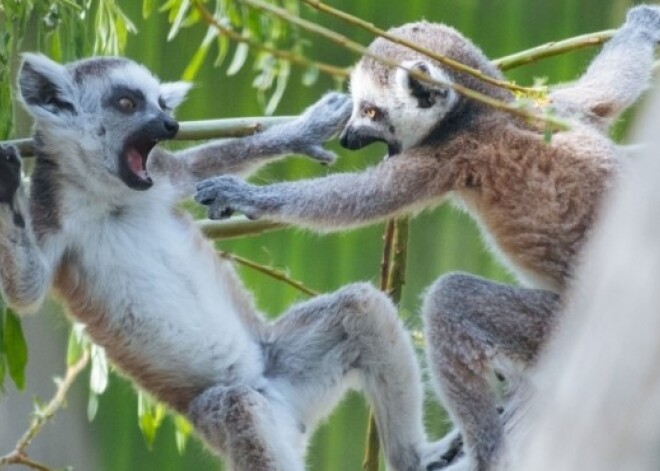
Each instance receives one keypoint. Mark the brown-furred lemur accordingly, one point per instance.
(101, 227)
(535, 202)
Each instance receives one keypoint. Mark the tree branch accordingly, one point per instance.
(552, 49)
(42, 416)
(545, 120)
(392, 279)
(270, 271)
(370, 27)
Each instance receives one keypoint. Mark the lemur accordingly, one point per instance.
(101, 226)
(535, 201)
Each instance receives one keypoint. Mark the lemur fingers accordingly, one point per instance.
(647, 18)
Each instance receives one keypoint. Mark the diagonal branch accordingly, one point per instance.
(19, 455)
(545, 120)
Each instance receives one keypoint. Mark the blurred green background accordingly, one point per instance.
(441, 240)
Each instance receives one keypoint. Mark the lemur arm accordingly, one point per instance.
(304, 135)
(396, 185)
(620, 73)
(24, 271)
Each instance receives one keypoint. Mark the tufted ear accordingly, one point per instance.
(45, 88)
(173, 93)
(427, 94)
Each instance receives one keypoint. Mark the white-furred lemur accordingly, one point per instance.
(535, 201)
(101, 227)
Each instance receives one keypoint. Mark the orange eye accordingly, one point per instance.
(370, 113)
(126, 104)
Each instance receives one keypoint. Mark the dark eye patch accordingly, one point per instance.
(163, 104)
(118, 92)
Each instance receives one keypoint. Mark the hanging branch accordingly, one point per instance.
(19, 455)
(392, 279)
(547, 121)
(270, 271)
(370, 27)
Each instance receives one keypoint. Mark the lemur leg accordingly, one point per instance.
(23, 272)
(478, 331)
(350, 338)
(621, 72)
(247, 427)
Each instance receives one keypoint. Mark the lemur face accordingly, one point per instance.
(400, 112)
(111, 108)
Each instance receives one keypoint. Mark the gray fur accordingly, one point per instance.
(170, 314)
(536, 202)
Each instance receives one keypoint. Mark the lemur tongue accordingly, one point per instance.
(136, 163)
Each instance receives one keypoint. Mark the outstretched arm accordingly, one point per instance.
(620, 73)
(304, 135)
(24, 273)
(396, 185)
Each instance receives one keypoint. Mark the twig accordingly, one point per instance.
(41, 417)
(548, 121)
(210, 19)
(552, 49)
(272, 272)
(392, 279)
(354, 20)
(236, 227)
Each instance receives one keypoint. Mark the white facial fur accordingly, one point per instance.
(407, 122)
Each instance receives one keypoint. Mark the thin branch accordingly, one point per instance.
(236, 227)
(193, 130)
(392, 279)
(552, 49)
(42, 416)
(270, 271)
(547, 121)
(210, 19)
(370, 27)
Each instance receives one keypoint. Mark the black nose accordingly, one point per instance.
(343, 138)
(171, 126)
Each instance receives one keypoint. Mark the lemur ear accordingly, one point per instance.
(426, 93)
(173, 93)
(45, 88)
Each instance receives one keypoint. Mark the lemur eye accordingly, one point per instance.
(371, 113)
(126, 104)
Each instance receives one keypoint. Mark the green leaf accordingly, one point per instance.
(92, 405)
(75, 346)
(3, 359)
(98, 379)
(310, 76)
(198, 58)
(150, 417)
(282, 79)
(147, 8)
(182, 431)
(240, 56)
(16, 348)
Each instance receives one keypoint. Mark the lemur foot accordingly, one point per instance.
(226, 194)
(443, 453)
(10, 173)
(318, 124)
(647, 18)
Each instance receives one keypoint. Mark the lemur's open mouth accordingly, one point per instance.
(133, 162)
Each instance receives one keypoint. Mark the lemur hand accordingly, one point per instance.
(317, 125)
(645, 18)
(10, 173)
(226, 194)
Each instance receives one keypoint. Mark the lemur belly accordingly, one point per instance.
(158, 305)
